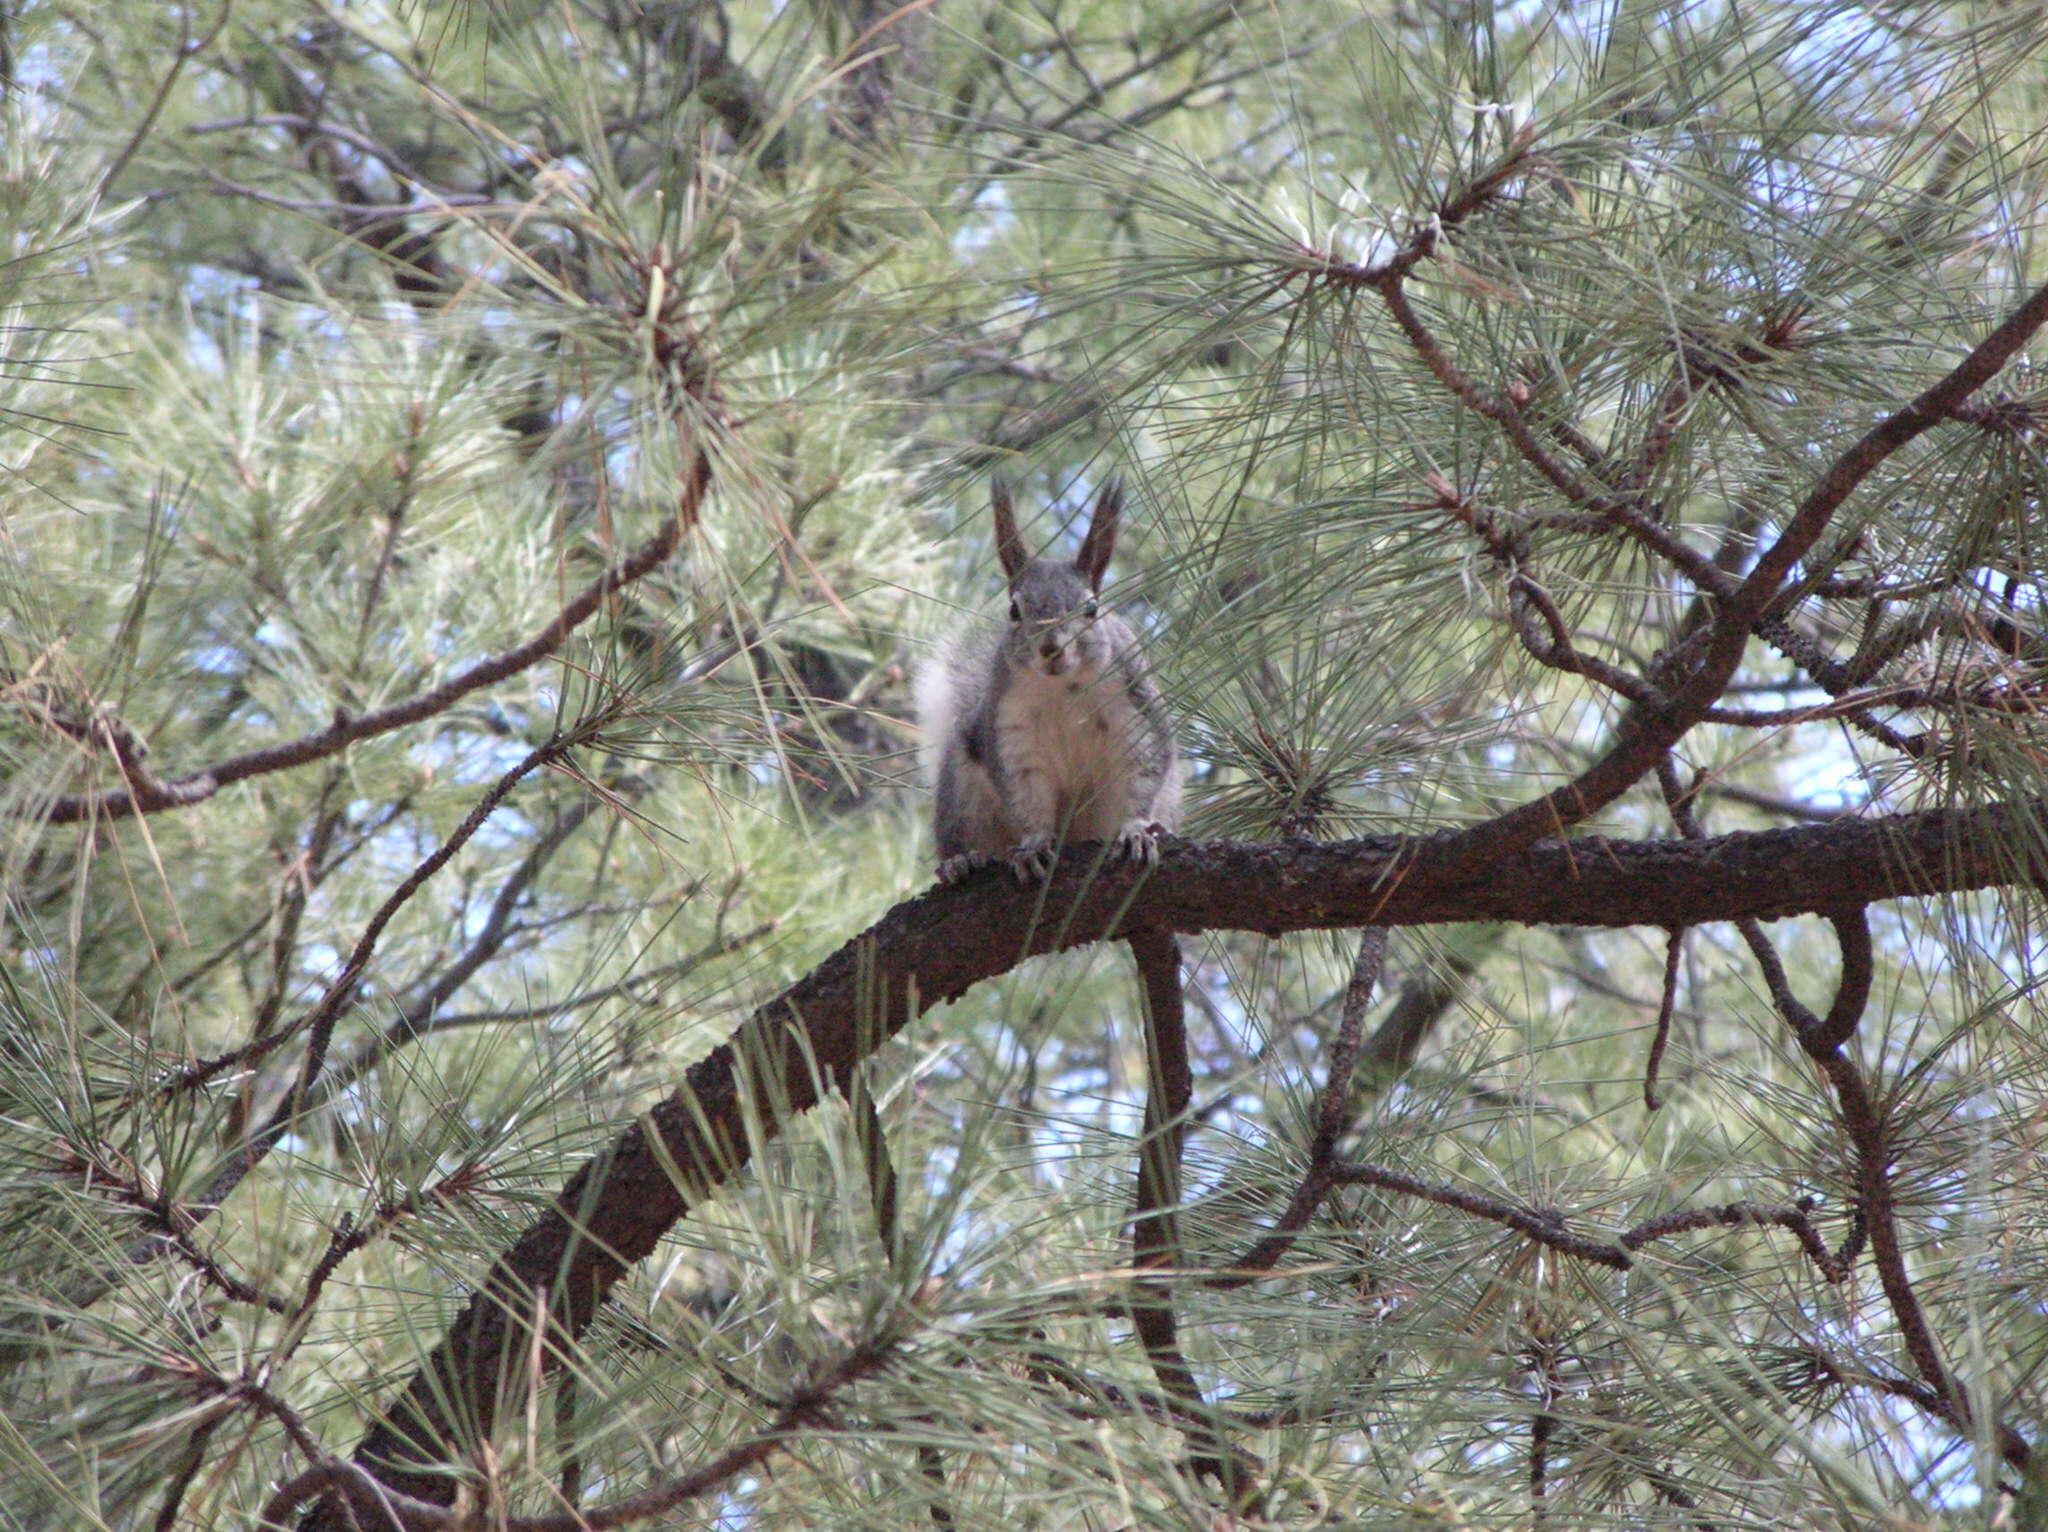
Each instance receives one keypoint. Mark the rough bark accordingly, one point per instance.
(936, 947)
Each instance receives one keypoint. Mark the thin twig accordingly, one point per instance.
(1798, 1218)
(322, 1013)
(318, 1022)
(1863, 1121)
(1542, 1423)
(1543, 1226)
(1740, 604)
(1155, 1226)
(1674, 950)
(1333, 1116)
(2011, 1445)
(188, 47)
(117, 803)
(190, 1462)
(810, 1406)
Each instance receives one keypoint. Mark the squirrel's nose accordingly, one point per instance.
(1048, 647)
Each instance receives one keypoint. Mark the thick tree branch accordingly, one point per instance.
(1653, 726)
(1648, 732)
(934, 948)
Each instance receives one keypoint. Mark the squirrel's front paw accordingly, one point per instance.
(954, 868)
(1033, 858)
(1138, 841)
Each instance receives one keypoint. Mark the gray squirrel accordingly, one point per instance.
(1047, 729)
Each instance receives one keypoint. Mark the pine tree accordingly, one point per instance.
(479, 1046)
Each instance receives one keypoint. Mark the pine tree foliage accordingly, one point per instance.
(478, 478)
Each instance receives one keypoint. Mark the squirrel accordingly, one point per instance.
(1048, 728)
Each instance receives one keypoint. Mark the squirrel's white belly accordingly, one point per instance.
(1070, 737)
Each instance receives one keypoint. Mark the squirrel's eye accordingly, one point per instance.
(1015, 615)
(1088, 611)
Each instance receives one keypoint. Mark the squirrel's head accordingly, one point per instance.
(1054, 606)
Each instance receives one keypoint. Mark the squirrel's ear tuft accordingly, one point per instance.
(1009, 546)
(1100, 542)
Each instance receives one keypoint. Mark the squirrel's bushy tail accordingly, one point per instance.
(945, 687)
(933, 696)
